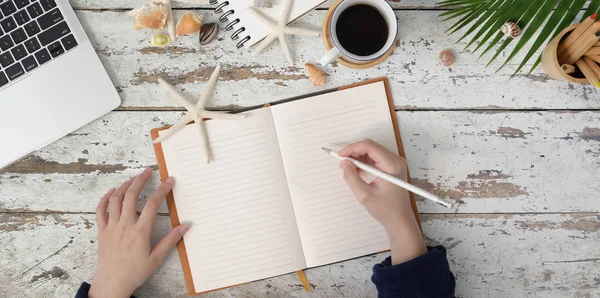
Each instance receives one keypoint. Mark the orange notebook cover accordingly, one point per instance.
(164, 174)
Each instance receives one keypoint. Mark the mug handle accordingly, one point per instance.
(330, 56)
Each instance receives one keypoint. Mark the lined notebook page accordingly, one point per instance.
(333, 225)
(243, 225)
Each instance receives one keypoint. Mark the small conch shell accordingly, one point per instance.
(161, 40)
(316, 75)
(189, 23)
(263, 4)
(447, 57)
(208, 33)
(511, 29)
(152, 16)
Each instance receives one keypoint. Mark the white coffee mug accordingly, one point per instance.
(338, 50)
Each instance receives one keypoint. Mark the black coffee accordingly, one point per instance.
(362, 30)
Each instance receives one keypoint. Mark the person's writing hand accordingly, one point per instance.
(126, 258)
(387, 203)
(384, 200)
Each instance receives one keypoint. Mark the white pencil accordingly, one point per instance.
(387, 177)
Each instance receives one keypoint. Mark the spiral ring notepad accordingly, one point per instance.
(235, 16)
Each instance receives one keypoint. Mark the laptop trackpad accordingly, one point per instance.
(25, 122)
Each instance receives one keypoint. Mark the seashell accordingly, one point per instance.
(189, 23)
(263, 4)
(161, 40)
(152, 16)
(511, 29)
(208, 33)
(316, 75)
(447, 57)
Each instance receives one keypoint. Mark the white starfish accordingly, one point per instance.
(279, 30)
(197, 112)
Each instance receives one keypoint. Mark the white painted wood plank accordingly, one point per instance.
(417, 78)
(128, 4)
(487, 162)
(505, 162)
(551, 255)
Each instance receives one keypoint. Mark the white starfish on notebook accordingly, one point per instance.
(196, 112)
(279, 30)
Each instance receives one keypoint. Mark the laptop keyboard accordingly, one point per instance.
(32, 32)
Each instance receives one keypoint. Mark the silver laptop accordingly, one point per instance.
(51, 80)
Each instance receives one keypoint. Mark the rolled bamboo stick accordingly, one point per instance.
(588, 73)
(593, 66)
(594, 57)
(569, 40)
(568, 68)
(593, 51)
(550, 62)
(581, 46)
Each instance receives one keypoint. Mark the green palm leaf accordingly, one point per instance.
(523, 22)
(521, 8)
(592, 8)
(537, 22)
(492, 23)
(568, 17)
(498, 7)
(470, 17)
(541, 20)
(453, 3)
(451, 14)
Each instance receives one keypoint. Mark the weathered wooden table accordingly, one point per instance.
(521, 157)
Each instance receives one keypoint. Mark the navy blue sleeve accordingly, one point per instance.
(83, 291)
(425, 276)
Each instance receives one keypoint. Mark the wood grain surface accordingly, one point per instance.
(492, 255)
(488, 162)
(519, 156)
(417, 78)
(128, 4)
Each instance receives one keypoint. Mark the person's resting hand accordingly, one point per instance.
(387, 203)
(126, 258)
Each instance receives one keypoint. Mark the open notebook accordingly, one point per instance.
(271, 201)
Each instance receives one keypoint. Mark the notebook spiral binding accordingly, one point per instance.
(225, 14)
